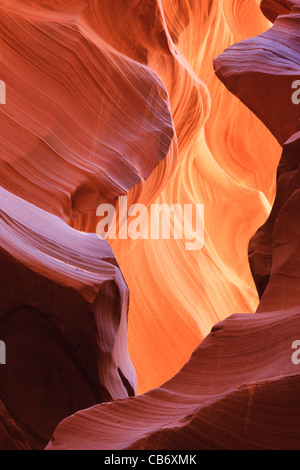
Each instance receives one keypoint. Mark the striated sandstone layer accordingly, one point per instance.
(83, 123)
(63, 318)
(273, 248)
(273, 8)
(240, 390)
(268, 64)
(263, 81)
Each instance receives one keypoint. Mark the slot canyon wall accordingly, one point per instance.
(164, 101)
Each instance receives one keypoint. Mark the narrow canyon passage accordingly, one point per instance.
(187, 338)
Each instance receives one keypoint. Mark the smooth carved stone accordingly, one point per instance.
(82, 124)
(273, 8)
(261, 72)
(240, 390)
(264, 243)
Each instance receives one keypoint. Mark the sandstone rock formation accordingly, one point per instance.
(268, 64)
(264, 82)
(65, 149)
(240, 390)
(83, 123)
(106, 98)
(273, 8)
(269, 250)
(63, 318)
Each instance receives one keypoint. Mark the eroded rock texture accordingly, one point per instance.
(274, 8)
(83, 123)
(273, 249)
(63, 318)
(270, 67)
(269, 64)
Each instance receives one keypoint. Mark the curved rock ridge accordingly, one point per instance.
(83, 123)
(11, 437)
(268, 252)
(240, 390)
(63, 319)
(268, 64)
(282, 288)
(274, 249)
(273, 8)
(264, 83)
